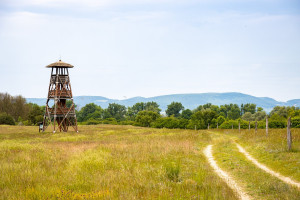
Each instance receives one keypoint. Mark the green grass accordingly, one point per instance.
(125, 162)
(272, 150)
(256, 182)
(107, 162)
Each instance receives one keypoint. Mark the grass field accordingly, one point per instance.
(125, 162)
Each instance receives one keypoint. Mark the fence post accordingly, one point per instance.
(249, 125)
(232, 126)
(217, 125)
(289, 134)
(267, 126)
(195, 127)
(255, 126)
(239, 126)
(208, 126)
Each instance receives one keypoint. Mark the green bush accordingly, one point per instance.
(277, 124)
(110, 121)
(93, 122)
(145, 118)
(27, 123)
(6, 119)
(183, 123)
(127, 122)
(244, 124)
(228, 124)
(166, 122)
(261, 124)
(295, 122)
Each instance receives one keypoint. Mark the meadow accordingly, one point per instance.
(126, 162)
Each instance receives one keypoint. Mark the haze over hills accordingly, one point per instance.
(189, 101)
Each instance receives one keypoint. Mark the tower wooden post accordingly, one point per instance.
(57, 112)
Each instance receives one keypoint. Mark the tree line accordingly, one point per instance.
(15, 110)
(148, 114)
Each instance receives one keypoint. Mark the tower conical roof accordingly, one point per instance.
(60, 64)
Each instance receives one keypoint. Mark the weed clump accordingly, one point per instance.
(173, 171)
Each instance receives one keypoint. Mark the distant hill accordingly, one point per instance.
(190, 101)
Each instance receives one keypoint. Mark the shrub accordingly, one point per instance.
(245, 124)
(145, 118)
(228, 124)
(261, 124)
(277, 121)
(127, 122)
(295, 122)
(6, 119)
(277, 124)
(166, 122)
(110, 121)
(92, 122)
(27, 123)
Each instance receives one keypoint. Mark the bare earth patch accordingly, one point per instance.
(228, 179)
(266, 169)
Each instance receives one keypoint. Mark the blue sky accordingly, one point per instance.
(122, 49)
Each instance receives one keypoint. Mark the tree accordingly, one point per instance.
(282, 111)
(260, 115)
(223, 111)
(220, 120)
(6, 119)
(259, 109)
(86, 112)
(233, 111)
(206, 106)
(174, 109)
(208, 116)
(249, 108)
(116, 111)
(69, 104)
(136, 108)
(19, 107)
(153, 106)
(35, 114)
(186, 114)
(14, 106)
(215, 108)
(145, 118)
(248, 117)
(197, 120)
(141, 106)
(199, 108)
(294, 111)
(277, 121)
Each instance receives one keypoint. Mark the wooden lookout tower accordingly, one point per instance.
(60, 114)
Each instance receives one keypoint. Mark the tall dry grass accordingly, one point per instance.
(107, 162)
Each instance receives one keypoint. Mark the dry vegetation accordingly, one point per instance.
(107, 162)
(125, 162)
(271, 151)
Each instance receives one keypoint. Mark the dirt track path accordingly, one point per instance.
(229, 180)
(266, 169)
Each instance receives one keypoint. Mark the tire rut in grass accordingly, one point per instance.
(228, 179)
(266, 169)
